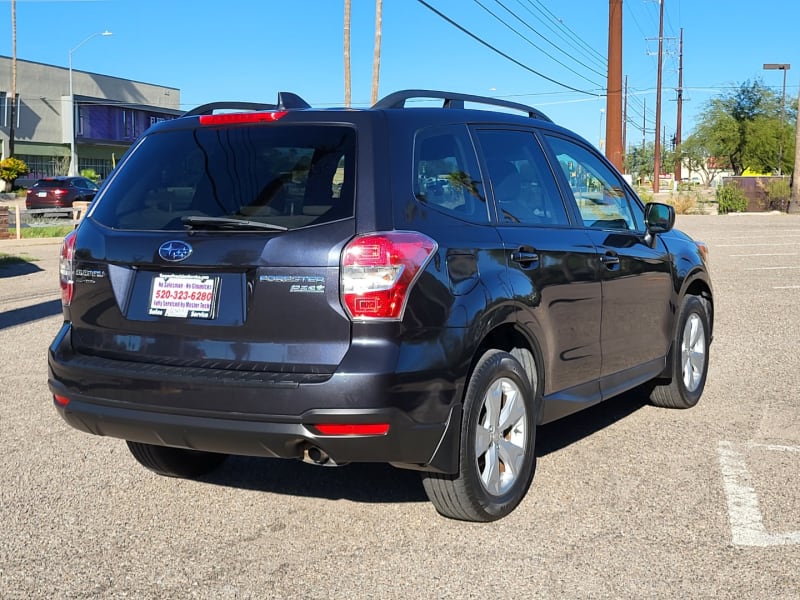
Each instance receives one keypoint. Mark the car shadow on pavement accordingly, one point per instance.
(18, 268)
(569, 430)
(372, 483)
(18, 316)
(382, 483)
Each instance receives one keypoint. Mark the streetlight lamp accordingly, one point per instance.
(780, 67)
(73, 162)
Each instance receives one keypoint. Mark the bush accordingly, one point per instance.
(778, 193)
(731, 198)
(684, 204)
(90, 174)
(11, 168)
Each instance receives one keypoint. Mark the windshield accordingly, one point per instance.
(282, 177)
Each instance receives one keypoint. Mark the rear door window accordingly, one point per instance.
(524, 186)
(283, 176)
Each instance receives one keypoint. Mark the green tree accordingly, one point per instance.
(742, 129)
(640, 160)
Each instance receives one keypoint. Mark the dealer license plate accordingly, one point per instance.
(184, 296)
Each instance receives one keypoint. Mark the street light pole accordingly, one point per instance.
(780, 67)
(73, 161)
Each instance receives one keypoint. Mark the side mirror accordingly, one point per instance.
(658, 218)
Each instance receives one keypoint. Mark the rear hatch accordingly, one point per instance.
(217, 244)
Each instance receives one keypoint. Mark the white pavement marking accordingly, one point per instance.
(748, 255)
(748, 245)
(769, 268)
(747, 523)
(787, 287)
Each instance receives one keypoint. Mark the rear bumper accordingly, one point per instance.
(252, 414)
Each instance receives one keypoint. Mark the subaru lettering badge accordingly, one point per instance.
(174, 251)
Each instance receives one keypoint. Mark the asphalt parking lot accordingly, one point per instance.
(629, 501)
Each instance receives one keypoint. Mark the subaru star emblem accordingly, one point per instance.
(174, 251)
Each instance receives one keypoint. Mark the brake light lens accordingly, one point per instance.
(379, 270)
(239, 118)
(353, 428)
(66, 268)
(61, 400)
(59, 192)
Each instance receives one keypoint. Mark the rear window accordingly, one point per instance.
(49, 183)
(287, 176)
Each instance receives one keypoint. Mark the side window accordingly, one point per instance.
(446, 174)
(598, 191)
(522, 183)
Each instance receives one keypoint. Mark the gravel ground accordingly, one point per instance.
(629, 501)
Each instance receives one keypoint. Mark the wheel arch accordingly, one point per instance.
(509, 337)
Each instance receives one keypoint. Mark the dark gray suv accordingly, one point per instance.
(418, 286)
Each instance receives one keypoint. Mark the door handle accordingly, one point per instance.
(525, 256)
(609, 259)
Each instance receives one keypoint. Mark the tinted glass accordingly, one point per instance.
(446, 174)
(597, 190)
(50, 183)
(290, 176)
(524, 188)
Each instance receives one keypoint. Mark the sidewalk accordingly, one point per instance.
(36, 247)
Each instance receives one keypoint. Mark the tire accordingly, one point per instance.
(689, 358)
(496, 453)
(175, 462)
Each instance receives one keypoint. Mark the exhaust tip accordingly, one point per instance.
(316, 456)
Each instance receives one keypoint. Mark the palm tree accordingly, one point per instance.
(376, 61)
(347, 52)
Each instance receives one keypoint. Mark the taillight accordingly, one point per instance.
(379, 270)
(59, 192)
(236, 118)
(66, 265)
(353, 428)
(61, 400)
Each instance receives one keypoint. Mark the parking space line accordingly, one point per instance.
(769, 244)
(770, 268)
(744, 514)
(747, 255)
(786, 287)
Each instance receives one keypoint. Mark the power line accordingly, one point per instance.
(503, 54)
(560, 24)
(553, 44)
(550, 56)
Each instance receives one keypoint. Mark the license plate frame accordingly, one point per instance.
(184, 296)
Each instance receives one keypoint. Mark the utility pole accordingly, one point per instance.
(614, 146)
(347, 83)
(376, 60)
(13, 124)
(657, 152)
(680, 113)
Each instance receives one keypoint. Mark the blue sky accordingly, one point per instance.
(251, 49)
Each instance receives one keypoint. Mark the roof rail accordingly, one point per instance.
(455, 100)
(286, 101)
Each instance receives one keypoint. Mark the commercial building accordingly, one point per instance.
(108, 114)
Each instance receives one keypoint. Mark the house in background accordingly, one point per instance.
(109, 113)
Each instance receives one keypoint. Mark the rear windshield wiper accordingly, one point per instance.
(209, 223)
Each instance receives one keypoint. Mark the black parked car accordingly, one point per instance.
(59, 192)
(417, 286)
